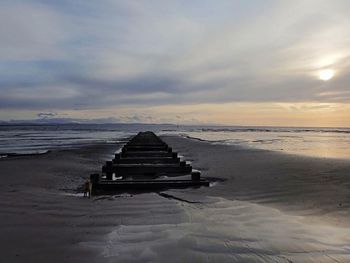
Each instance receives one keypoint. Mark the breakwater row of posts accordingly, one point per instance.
(146, 163)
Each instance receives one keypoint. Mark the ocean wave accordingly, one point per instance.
(203, 140)
(29, 153)
(286, 130)
(311, 141)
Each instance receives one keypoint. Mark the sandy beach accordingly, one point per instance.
(262, 206)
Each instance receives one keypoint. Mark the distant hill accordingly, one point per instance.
(62, 121)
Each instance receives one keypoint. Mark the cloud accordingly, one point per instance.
(45, 115)
(59, 55)
(30, 31)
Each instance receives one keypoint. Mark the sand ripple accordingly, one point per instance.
(221, 230)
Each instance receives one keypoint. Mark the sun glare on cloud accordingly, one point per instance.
(326, 74)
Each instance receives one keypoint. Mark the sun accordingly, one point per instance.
(326, 74)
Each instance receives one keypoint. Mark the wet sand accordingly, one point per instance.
(295, 184)
(262, 207)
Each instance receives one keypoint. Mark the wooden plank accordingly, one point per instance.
(147, 185)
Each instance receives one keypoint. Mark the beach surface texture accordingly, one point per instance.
(262, 206)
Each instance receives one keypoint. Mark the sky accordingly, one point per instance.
(256, 62)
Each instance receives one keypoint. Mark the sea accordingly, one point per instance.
(38, 139)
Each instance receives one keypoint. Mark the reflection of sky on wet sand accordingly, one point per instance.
(220, 230)
(316, 144)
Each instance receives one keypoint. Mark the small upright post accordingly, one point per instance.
(196, 176)
(94, 180)
(109, 171)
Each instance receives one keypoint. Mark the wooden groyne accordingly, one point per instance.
(146, 163)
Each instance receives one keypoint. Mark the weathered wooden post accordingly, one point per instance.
(95, 180)
(116, 158)
(196, 176)
(109, 171)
